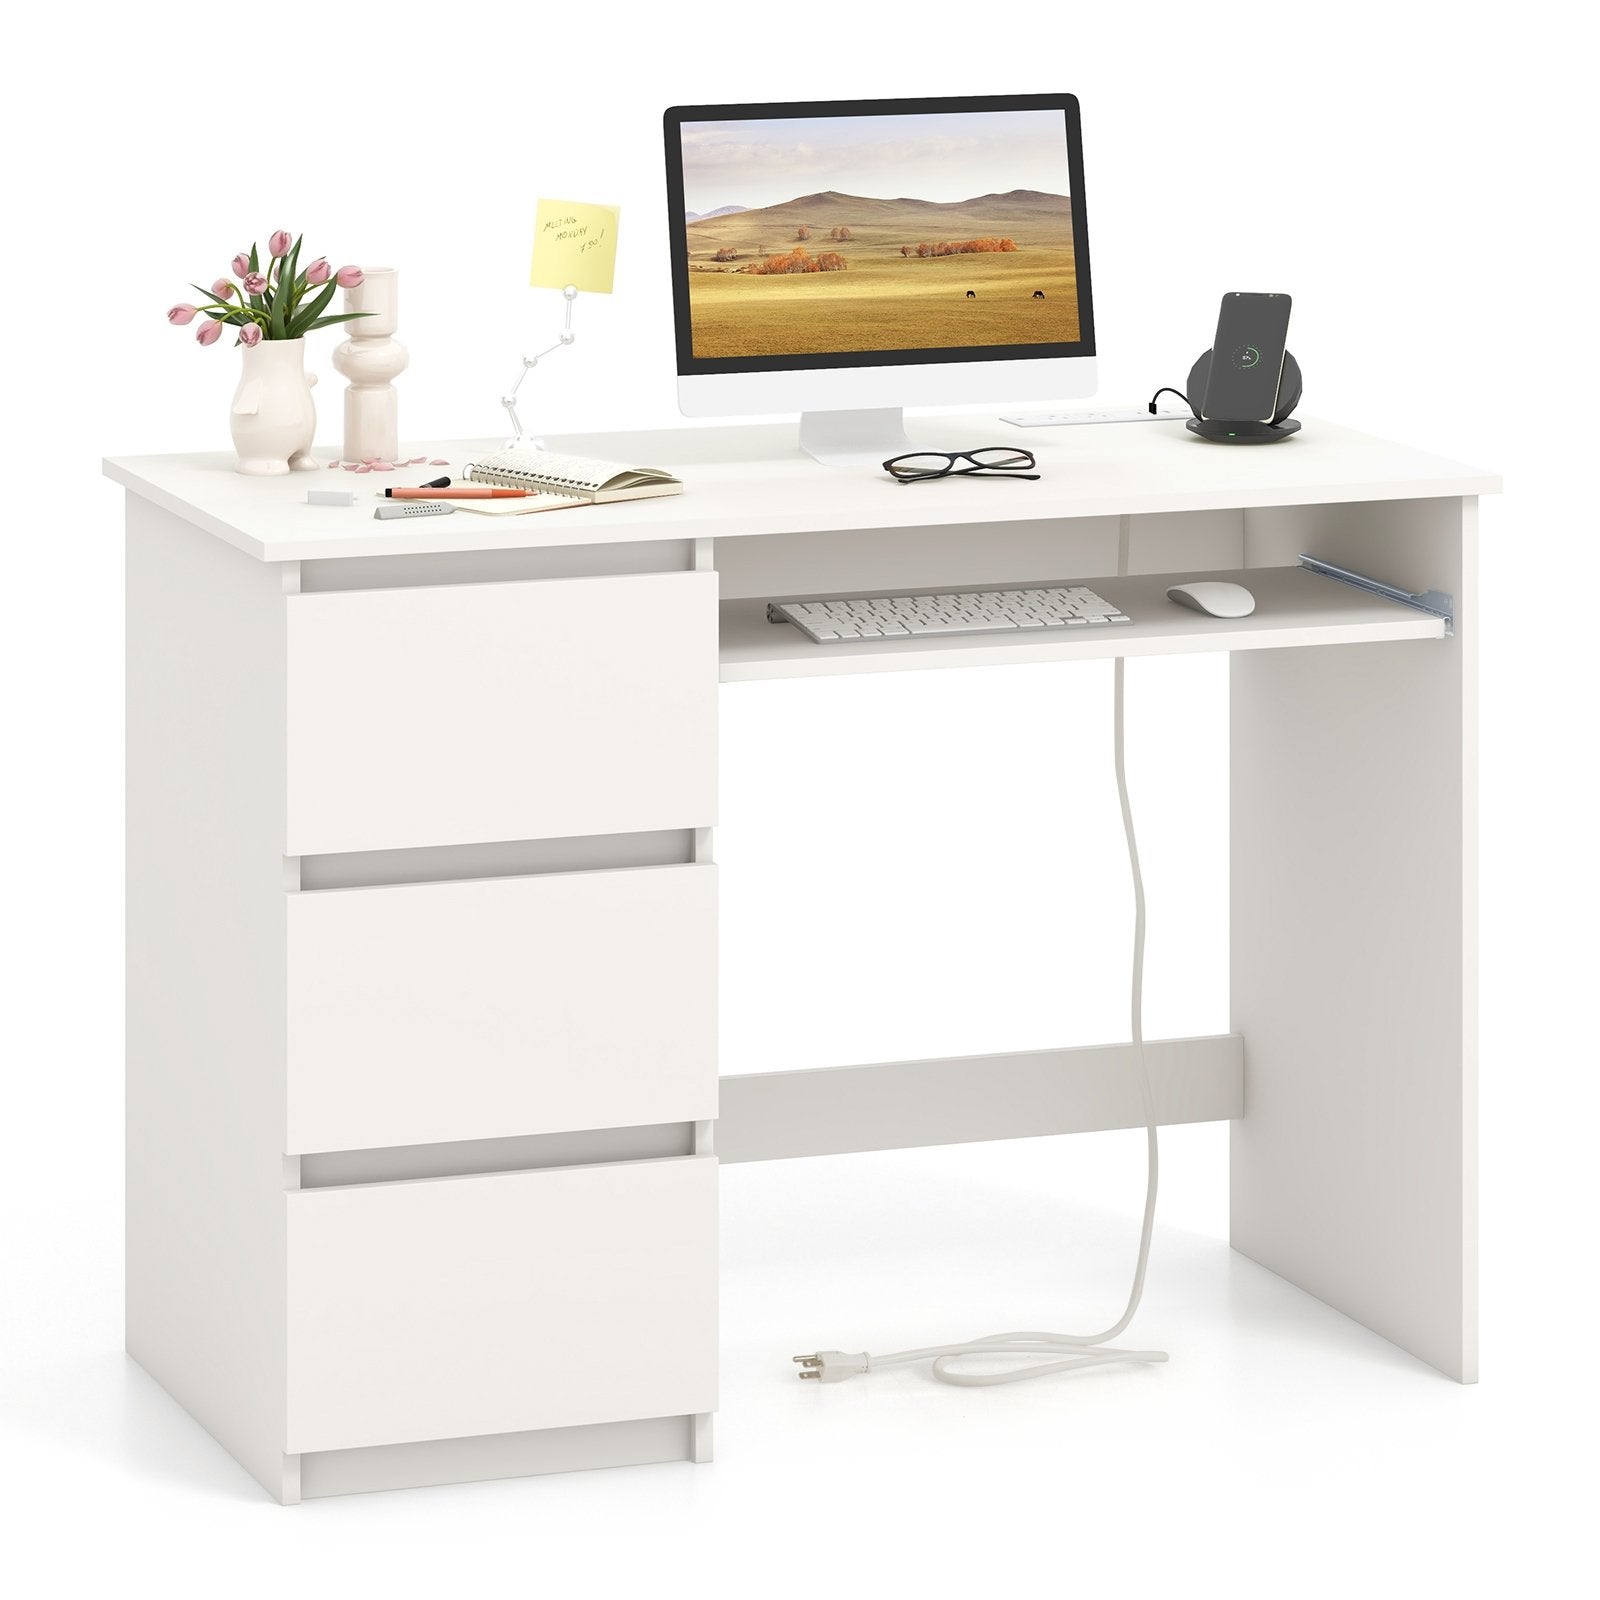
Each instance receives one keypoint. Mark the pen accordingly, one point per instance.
(427, 492)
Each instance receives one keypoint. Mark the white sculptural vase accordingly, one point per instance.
(371, 358)
(273, 417)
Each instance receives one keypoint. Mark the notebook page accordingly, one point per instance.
(580, 474)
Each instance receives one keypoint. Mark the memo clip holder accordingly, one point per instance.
(509, 400)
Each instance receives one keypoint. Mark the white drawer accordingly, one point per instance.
(429, 1012)
(460, 1306)
(490, 711)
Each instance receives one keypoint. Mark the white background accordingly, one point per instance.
(1420, 179)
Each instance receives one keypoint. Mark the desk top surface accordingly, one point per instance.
(748, 480)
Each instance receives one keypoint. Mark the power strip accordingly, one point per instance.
(1068, 419)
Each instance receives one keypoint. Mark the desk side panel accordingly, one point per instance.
(205, 1025)
(1354, 942)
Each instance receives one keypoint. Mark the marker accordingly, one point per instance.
(432, 483)
(458, 494)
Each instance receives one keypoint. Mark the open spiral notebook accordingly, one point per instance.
(562, 481)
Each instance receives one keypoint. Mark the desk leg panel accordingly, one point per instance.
(1353, 948)
(205, 974)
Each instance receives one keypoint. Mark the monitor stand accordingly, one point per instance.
(854, 438)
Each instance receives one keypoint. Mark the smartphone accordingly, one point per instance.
(1247, 358)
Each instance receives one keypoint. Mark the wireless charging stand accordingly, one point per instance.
(1216, 430)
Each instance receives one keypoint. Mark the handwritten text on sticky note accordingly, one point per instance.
(576, 243)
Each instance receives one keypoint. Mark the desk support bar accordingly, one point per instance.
(898, 1105)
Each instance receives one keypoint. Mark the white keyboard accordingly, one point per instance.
(1063, 419)
(906, 616)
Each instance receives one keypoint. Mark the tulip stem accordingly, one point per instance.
(231, 310)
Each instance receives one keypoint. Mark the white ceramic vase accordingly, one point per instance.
(371, 358)
(273, 418)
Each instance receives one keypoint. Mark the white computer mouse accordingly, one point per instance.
(1214, 599)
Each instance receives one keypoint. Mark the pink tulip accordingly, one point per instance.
(350, 277)
(222, 289)
(280, 243)
(254, 282)
(319, 271)
(208, 332)
(182, 316)
(250, 335)
(240, 264)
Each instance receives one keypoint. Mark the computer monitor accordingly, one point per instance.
(847, 258)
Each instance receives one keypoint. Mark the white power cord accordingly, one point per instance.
(1074, 1349)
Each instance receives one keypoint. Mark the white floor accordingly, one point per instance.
(1282, 1451)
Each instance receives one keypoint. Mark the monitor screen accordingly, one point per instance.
(876, 233)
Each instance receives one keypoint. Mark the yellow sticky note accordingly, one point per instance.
(576, 243)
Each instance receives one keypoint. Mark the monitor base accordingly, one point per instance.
(1241, 432)
(854, 438)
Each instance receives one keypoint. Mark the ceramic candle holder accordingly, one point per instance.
(371, 358)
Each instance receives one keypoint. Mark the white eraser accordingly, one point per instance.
(330, 497)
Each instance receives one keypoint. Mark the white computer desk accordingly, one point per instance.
(423, 1106)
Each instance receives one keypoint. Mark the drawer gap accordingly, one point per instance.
(514, 858)
(330, 1169)
(496, 1455)
(344, 573)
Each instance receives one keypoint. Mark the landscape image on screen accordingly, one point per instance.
(825, 235)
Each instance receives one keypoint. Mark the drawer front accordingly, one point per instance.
(429, 1012)
(491, 711)
(461, 1306)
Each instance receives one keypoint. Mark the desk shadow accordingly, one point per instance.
(102, 1404)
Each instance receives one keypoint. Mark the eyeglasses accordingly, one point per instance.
(924, 465)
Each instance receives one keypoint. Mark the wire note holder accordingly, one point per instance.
(574, 248)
